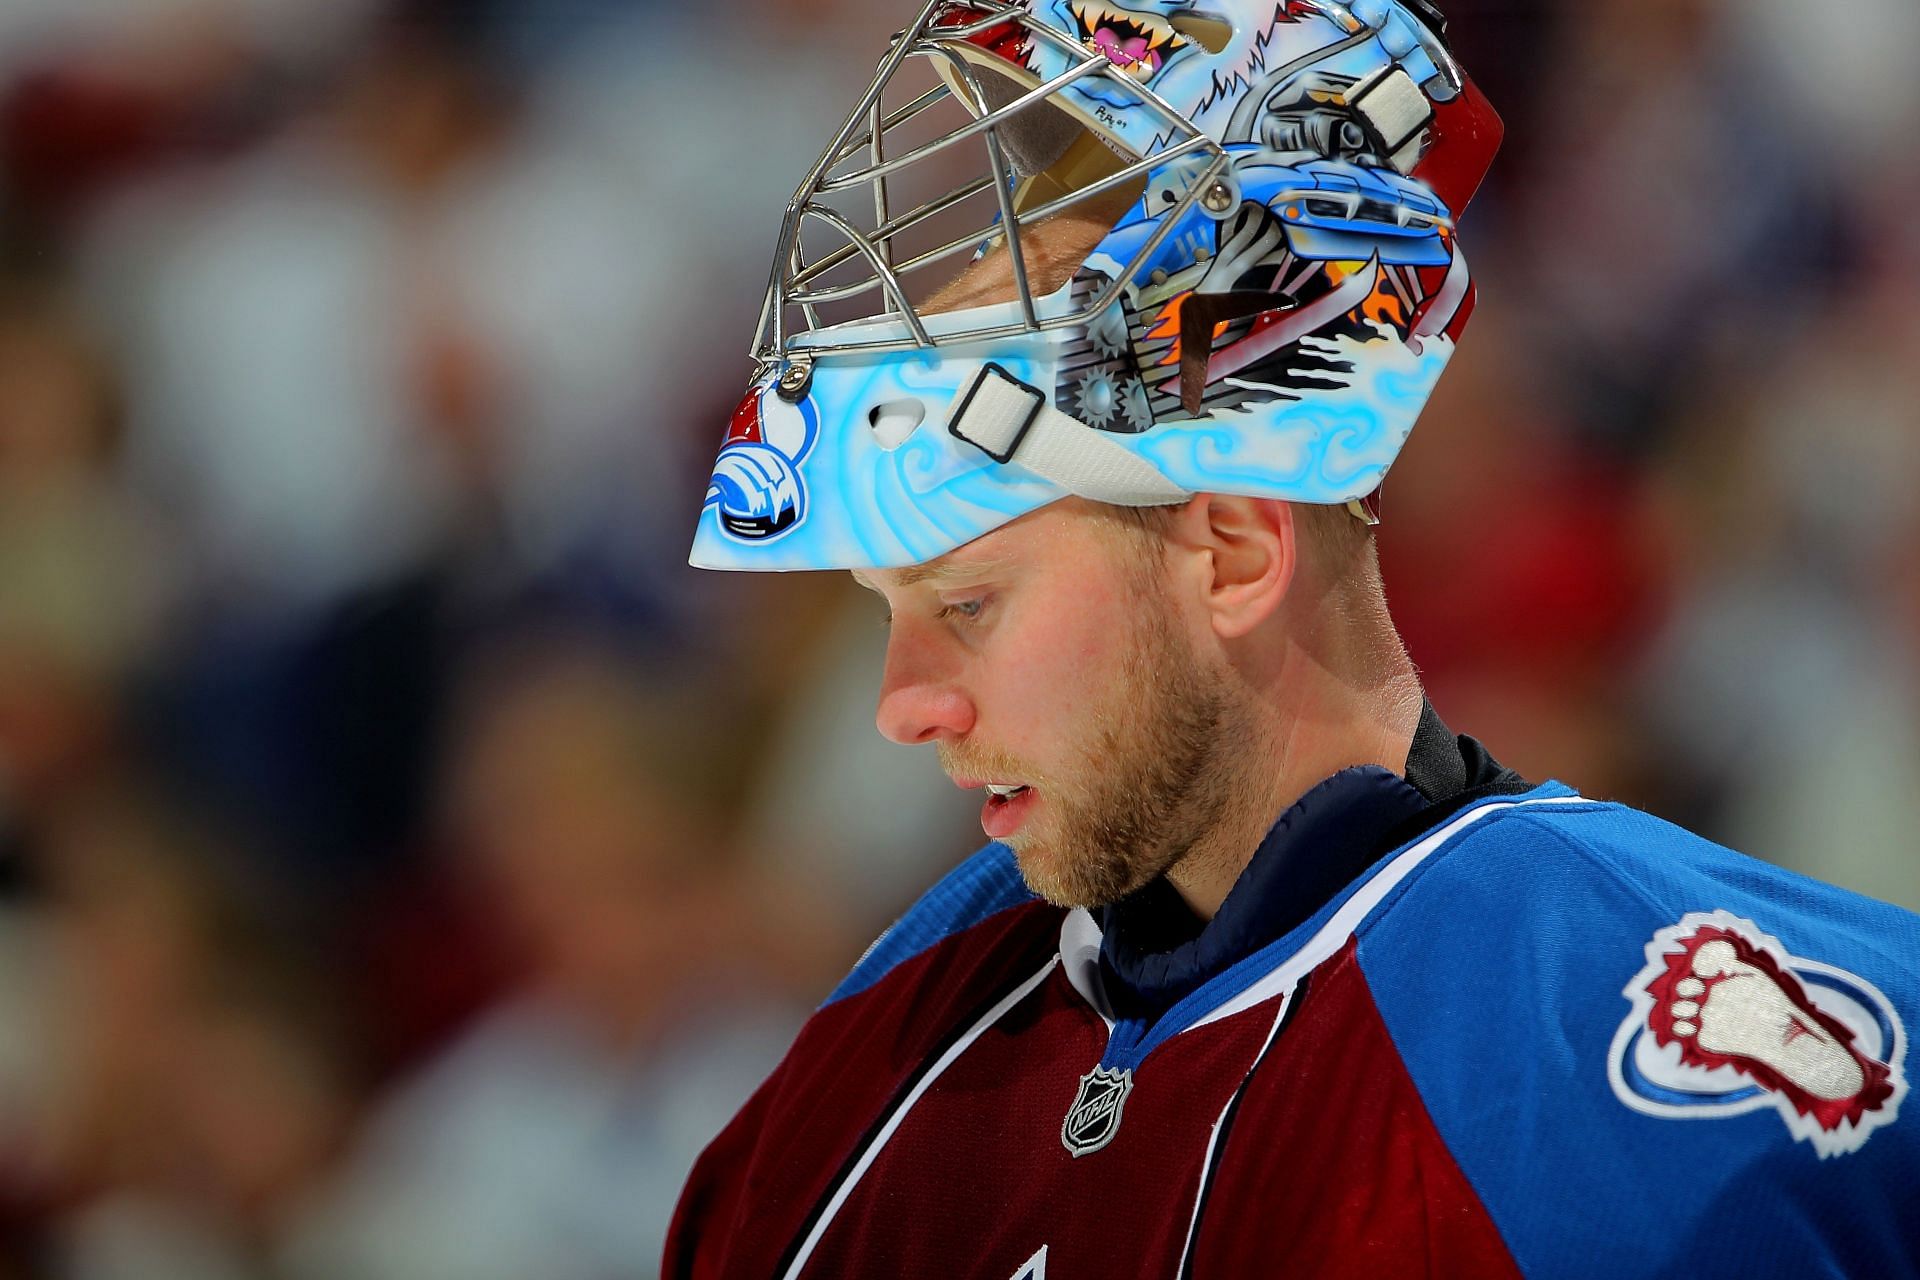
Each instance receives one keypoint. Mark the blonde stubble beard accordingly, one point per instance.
(1165, 784)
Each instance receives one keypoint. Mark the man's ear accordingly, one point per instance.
(1247, 553)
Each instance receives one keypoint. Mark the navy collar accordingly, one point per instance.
(1155, 950)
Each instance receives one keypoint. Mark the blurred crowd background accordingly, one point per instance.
(407, 863)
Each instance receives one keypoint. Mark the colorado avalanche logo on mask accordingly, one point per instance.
(1725, 1021)
(756, 484)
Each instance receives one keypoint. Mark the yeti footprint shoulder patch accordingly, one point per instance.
(1722, 1020)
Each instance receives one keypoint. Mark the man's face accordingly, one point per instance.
(1052, 656)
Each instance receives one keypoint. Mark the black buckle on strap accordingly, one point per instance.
(1033, 415)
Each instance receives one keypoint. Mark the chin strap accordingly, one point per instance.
(1004, 417)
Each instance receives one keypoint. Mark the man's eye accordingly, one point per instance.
(964, 610)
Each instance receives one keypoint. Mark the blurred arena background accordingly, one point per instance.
(408, 863)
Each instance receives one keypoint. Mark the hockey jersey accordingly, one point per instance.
(1542, 1035)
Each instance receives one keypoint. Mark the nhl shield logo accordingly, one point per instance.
(1095, 1115)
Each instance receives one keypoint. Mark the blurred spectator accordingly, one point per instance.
(1789, 674)
(205, 1074)
(78, 579)
(281, 328)
(657, 987)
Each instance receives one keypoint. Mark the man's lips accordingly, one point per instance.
(972, 782)
(1002, 816)
(1007, 806)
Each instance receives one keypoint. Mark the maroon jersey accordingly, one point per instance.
(1542, 1036)
(973, 1103)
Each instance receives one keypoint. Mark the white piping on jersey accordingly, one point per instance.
(906, 1104)
(1213, 1139)
(1080, 937)
(1334, 933)
(1080, 942)
(1320, 948)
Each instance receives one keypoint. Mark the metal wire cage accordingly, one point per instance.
(857, 260)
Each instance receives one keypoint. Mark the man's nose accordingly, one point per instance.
(921, 699)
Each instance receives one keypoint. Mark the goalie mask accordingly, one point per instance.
(1267, 315)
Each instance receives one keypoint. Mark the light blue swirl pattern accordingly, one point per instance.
(869, 507)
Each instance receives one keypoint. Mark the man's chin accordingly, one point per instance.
(1039, 868)
(1059, 881)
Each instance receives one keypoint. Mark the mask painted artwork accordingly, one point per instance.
(1267, 316)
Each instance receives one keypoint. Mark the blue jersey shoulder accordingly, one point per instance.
(1647, 1051)
(1575, 872)
(984, 885)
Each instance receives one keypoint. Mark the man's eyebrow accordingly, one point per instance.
(938, 571)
